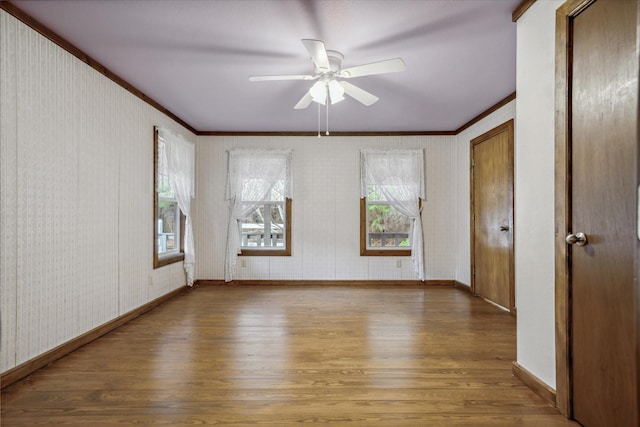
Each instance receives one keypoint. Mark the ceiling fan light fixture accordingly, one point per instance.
(336, 91)
(319, 92)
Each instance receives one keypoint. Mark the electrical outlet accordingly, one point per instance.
(150, 280)
(243, 262)
(398, 263)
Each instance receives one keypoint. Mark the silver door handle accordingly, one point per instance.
(579, 239)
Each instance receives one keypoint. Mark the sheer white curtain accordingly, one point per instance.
(399, 176)
(180, 165)
(251, 176)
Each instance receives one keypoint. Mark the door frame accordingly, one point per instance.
(563, 134)
(508, 127)
(562, 208)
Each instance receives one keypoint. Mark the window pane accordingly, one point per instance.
(168, 225)
(386, 227)
(269, 217)
(168, 213)
(167, 218)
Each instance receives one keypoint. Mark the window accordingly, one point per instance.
(266, 228)
(168, 220)
(384, 230)
(259, 193)
(174, 160)
(392, 190)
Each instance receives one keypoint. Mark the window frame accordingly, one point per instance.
(160, 260)
(268, 251)
(367, 251)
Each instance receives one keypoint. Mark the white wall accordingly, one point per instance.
(326, 233)
(534, 190)
(463, 192)
(76, 197)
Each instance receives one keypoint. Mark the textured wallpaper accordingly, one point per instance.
(76, 202)
(326, 210)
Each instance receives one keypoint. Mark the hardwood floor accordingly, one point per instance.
(277, 356)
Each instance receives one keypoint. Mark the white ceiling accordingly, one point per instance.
(194, 57)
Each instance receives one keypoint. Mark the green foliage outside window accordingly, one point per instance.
(384, 218)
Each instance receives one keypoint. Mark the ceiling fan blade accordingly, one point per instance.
(304, 102)
(358, 94)
(382, 67)
(318, 54)
(282, 77)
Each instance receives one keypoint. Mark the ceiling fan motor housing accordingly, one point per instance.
(335, 61)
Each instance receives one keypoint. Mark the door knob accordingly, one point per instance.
(504, 228)
(579, 239)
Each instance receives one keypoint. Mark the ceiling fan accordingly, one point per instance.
(328, 70)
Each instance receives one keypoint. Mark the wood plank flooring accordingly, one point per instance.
(278, 356)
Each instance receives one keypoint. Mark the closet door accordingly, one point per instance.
(603, 226)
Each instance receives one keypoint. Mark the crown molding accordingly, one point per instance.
(521, 9)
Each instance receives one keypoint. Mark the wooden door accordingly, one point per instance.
(604, 150)
(492, 216)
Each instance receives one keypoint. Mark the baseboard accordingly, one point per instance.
(534, 383)
(462, 286)
(30, 366)
(352, 283)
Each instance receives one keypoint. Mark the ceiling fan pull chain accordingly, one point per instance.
(327, 133)
(318, 120)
